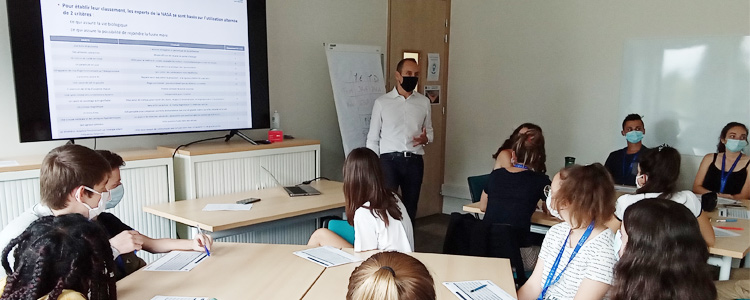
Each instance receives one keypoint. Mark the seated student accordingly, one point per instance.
(576, 259)
(127, 262)
(74, 179)
(726, 176)
(512, 193)
(377, 214)
(65, 258)
(391, 276)
(504, 155)
(667, 261)
(621, 163)
(657, 178)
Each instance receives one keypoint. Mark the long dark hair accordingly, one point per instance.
(509, 141)
(56, 253)
(662, 166)
(665, 255)
(720, 146)
(363, 182)
(529, 149)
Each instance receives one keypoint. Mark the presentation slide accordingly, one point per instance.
(139, 67)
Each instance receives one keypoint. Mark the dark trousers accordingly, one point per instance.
(405, 173)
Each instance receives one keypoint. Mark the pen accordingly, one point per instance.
(479, 288)
(726, 220)
(729, 228)
(200, 231)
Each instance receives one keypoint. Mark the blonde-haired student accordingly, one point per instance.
(391, 276)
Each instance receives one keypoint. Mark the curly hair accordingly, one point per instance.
(391, 276)
(665, 255)
(56, 253)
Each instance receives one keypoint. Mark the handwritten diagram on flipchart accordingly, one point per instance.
(357, 80)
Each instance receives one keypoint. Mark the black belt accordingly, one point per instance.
(401, 154)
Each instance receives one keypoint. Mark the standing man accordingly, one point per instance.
(401, 125)
(623, 163)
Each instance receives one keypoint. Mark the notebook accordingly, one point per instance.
(295, 190)
(739, 213)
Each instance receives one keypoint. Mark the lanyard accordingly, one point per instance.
(522, 166)
(549, 281)
(629, 169)
(725, 176)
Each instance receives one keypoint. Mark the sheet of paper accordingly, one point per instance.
(433, 66)
(725, 201)
(179, 261)
(327, 256)
(179, 298)
(719, 232)
(463, 290)
(230, 206)
(8, 163)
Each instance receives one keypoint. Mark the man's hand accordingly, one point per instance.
(202, 239)
(127, 241)
(420, 139)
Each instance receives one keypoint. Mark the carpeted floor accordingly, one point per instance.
(429, 233)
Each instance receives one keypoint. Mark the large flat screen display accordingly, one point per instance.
(90, 68)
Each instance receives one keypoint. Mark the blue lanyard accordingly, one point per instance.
(725, 176)
(629, 169)
(522, 166)
(551, 275)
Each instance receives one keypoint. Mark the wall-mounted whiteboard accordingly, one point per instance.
(687, 89)
(357, 80)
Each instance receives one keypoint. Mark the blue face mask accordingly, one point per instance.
(117, 194)
(735, 145)
(634, 136)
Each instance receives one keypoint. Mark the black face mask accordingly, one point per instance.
(409, 83)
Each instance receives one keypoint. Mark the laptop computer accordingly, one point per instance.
(295, 190)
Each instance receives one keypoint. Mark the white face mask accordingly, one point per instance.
(638, 183)
(93, 212)
(552, 211)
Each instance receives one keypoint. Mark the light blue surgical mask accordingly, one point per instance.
(634, 136)
(551, 210)
(117, 194)
(735, 145)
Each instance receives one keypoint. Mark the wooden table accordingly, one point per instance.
(729, 248)
(333, 283)
(233, 271)
(726, 248)
(276, 206)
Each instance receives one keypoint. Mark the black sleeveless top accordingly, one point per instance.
(735, 182)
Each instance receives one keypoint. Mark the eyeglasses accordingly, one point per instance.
(547, 190)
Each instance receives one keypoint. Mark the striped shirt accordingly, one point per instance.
(595, 261)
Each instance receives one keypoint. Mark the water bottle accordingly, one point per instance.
(275, 120)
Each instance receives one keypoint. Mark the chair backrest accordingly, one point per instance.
(467, 235)
(477, 185)
(343, 229)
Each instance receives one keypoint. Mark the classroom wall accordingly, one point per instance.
(300, 87)
(557, 64)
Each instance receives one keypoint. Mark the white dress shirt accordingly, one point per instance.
(396, 121)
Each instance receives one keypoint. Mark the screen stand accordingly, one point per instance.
(71, 142)
(240, 134)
